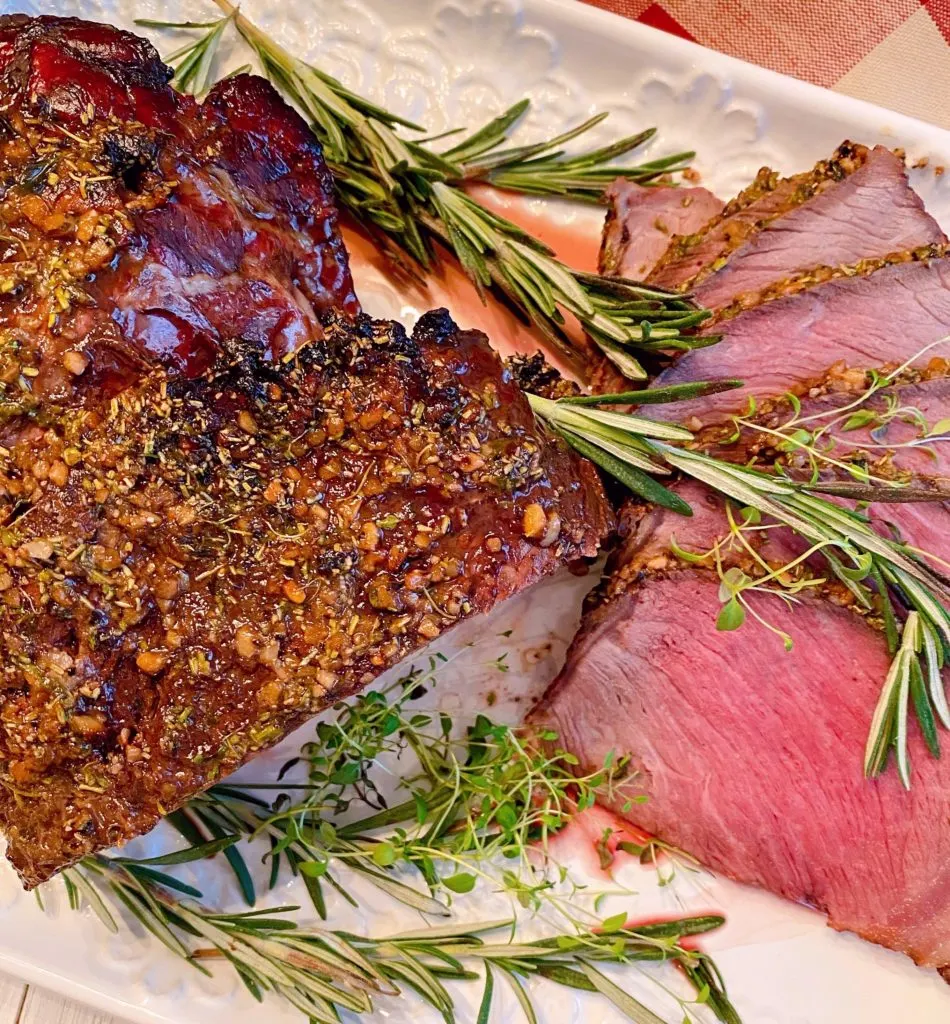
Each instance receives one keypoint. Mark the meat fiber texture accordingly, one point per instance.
(750, 757)
(882, 313)
(864, 214)
(642, 221)
(855, 205)
(229, 499)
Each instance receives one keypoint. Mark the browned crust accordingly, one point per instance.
(758, 447)
(212, 562)
(608, 258)
(847, 158)
(807, 279)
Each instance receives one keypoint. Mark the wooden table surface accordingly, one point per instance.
(26, 1004)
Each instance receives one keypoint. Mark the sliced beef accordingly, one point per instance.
(923, 525)
(769, 197)
(141, 227)
(868, 213)
(750, 757)
(900, 430)
(894, 447)
(642, 220)
(650, 536)
(854, 208)
(221, 558)
(887, 316)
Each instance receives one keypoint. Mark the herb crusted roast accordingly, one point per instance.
(854, 206)
(750, 755)
(229, 498)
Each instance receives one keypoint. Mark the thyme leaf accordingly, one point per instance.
(476, 796)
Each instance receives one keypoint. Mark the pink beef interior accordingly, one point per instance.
(751, 757)
(642, 221)
(681, 265)
(886, 317)
(869, 213)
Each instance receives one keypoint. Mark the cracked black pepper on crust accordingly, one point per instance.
(227, 556)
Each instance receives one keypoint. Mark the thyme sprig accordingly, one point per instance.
(735, 583)
(414, 199)
(462, 803)
(813, 440)
(468, 806)
(886, 577)
(323, 972)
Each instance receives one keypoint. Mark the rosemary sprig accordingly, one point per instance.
(413, 197)
(884, 575)
(544, 169)
(323, 972)
(474, 799)
(194, 61)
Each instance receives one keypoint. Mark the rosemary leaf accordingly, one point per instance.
(484, 1009)
(880, 572)
(631, 1008)
(412, 197)
(629, 475)
(657, 396)
(193, 853)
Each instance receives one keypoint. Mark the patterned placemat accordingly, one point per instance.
(895, 53)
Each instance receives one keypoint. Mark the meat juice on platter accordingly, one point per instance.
(198, 357)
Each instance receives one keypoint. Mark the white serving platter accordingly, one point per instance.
(444, 64)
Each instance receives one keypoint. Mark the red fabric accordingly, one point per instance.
(939, 11)
(657, 16)
(826, 42)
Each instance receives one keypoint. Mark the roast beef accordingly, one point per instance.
(642, 220)
(870, 212)
(875, 314)
(220, 558)
(228, 499)
(898, 431)
(854, 208)
(769, 197)
(906, 443)
(141, 227)
(750, 756)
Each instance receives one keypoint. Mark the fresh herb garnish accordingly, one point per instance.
(193, 63)
(323, 972)
(886, 576)
(476, 805)
(414, 199)
(491, 793)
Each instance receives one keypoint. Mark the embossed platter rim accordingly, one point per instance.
(454, 61)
